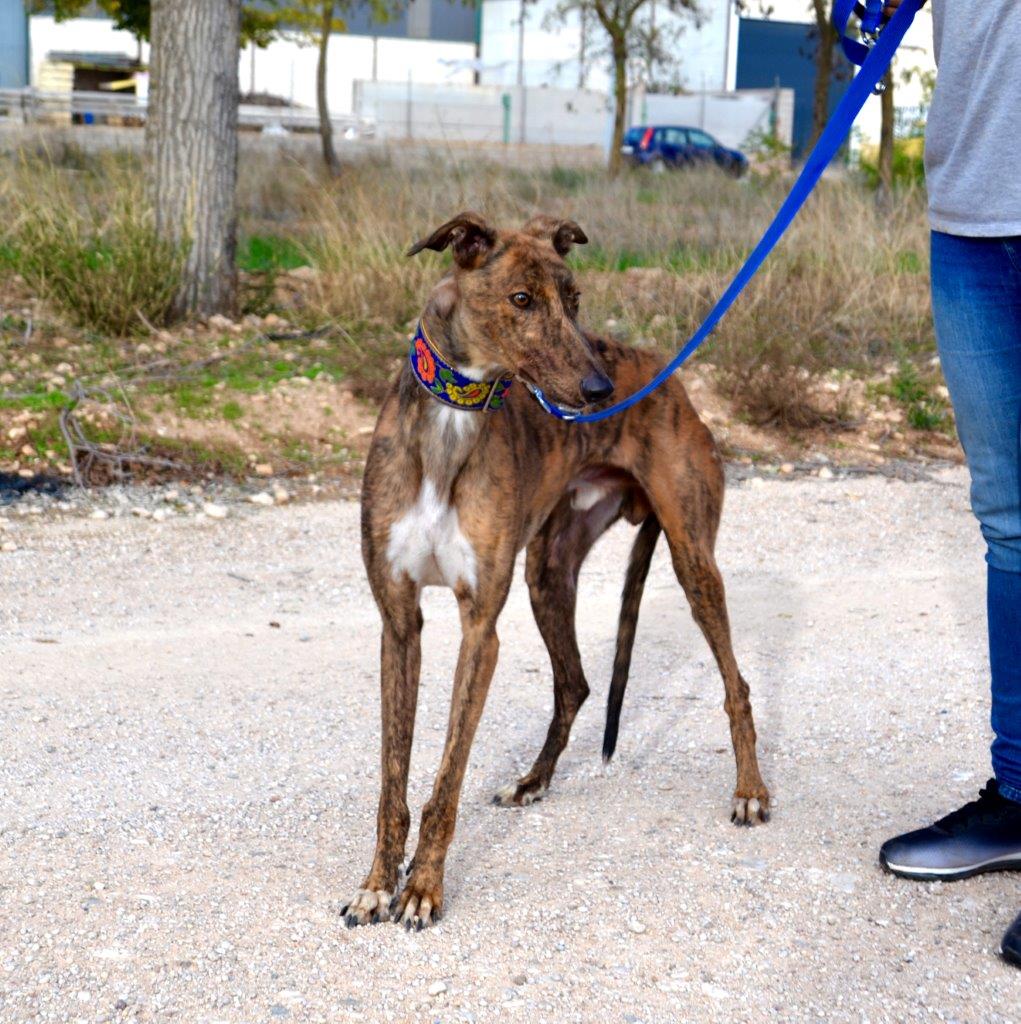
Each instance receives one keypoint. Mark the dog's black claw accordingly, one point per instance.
(344, 910)
(393, 906)
(495, 801)
(419, 924)
(375, 918)
(351, 921)
(407, 925)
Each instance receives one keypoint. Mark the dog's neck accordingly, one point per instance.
(447, 436)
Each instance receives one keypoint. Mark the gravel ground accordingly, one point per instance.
(188, 779)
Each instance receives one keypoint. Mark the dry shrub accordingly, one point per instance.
(85, 240)
(846, 288)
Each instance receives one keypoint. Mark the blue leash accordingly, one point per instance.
(874, 60)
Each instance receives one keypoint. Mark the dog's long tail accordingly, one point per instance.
(634, 586)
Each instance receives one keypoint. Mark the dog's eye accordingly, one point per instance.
(521, 299)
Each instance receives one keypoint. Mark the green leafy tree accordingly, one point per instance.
(258, 25)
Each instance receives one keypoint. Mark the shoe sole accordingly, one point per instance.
(1010, 957)
(1011, 863)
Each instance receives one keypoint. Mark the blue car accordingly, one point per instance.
(659, 147)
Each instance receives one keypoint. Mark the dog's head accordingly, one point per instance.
(511, 305)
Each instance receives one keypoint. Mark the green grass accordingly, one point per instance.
(231, 411)
(260, 254)
(924, 411)
(678, 261)
(37, 401)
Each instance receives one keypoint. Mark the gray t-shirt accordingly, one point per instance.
(973, 139)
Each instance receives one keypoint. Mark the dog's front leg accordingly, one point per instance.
(401, 659)
(422, 899)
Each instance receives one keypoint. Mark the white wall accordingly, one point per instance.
(453, 113)
(284, 68)
(95, 34)
(730, 117)
(705, 55)
(288, 69)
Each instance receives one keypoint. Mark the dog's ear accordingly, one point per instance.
(562, 233)
(470, 237)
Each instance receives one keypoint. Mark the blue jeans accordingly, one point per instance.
(976, 301)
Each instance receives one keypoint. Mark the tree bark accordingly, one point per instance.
(325, 125)
(886, 137)
(823, 69)
(619, 50)
(191, 144)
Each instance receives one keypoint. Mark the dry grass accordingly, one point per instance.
(84, 240)
(846, 292)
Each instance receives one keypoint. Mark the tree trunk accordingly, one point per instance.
(619, 48)
(886, 137)
(827, 36)
(191, 144)
(325, 125)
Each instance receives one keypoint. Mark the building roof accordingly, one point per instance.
(95, 59)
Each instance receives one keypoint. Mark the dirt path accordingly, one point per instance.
(187, 791)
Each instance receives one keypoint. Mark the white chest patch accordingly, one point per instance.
(428, 545)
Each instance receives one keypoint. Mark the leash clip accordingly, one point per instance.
(871, 18)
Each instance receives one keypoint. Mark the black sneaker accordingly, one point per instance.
(1010, 948)
(984, 835)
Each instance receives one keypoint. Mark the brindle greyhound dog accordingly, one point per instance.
(452, 494)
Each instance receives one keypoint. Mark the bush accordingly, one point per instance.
(908, 163)
(93, 253)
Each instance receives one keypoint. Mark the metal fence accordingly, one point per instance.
(34, 106)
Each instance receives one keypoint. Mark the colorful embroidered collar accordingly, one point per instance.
(449, 386)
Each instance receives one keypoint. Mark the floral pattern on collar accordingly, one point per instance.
(448, 385)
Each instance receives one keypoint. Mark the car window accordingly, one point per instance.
(674, 137)
(633, 136)
(701, 140)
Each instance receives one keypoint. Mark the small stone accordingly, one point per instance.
(263, 469)
(99, 514)
(220, 323)
(635, 927)
(141, 513)
(262, 498)
(214, 511)
(519, 979)
(825, 473)
(437, 988)
(8, 545)
(787, 468)
(280, 496)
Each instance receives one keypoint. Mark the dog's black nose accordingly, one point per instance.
(596, 387)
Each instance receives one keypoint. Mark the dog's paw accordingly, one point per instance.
(418, 906)
(751, 810)
(369, 906)
(519, 794)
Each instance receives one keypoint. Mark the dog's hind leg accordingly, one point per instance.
(688, 501)
(401, 658)
(552, 565)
